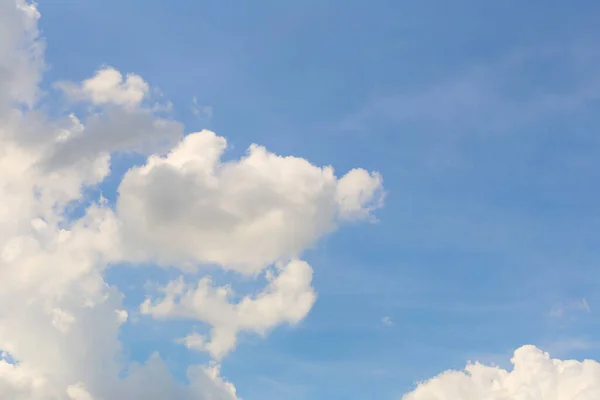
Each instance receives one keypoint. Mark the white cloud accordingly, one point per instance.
(244, 214)
(287, 299)
(78, 392)
(57, 315)
(62, 320)
(114, 130)
(59, 319)
(122, 123)
(535, 376)
(122, 316)
(358, 193)
(21, 54)
(109, 86)
(193, 341)
(387, 321)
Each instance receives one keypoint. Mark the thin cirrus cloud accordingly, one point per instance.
(476, 98)
(59, 319)
(562, 309)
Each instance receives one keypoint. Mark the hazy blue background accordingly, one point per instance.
(482, 118)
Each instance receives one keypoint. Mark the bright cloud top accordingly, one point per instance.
(59, 319)
(109, 86)
(535, 376)
(244, 214)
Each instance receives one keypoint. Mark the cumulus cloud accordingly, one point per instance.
(109, 86)
(535, 376)
(59, 319)
(287, 299)
(245, 214)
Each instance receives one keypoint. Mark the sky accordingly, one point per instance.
(303, 200)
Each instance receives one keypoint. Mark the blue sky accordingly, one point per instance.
(482, 120)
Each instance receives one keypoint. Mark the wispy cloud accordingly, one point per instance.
(202, 111)
(565, 347)
(492, 97)
(279, 388)
(562, 309)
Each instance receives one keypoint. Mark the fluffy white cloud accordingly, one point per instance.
(109, 87)
(287, 299)
(535, 376)
(245, 214)
(79, 392)
(59, 319)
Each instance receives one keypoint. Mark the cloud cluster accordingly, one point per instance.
(287, 298)
(59, 319)
(535, 376)
(245, 214)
